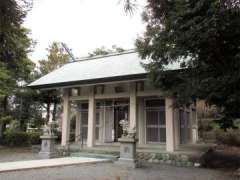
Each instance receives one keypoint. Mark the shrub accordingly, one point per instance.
(215, 159)
(207, 125)
(20, 138)
(34, 138)
(230, 137)
(6, 119)
(237, 123)
(15, 138)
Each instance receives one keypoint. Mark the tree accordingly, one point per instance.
(56, 58)
(14, 47)
(104, 51)
(14, 43)
(203, 37)
(26, 109)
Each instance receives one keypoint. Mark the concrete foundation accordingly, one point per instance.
(127, 152)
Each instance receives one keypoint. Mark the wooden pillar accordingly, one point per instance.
(194, 120)
(170, 139)
(141, 122)
(66, 118)
(101, 126)
(176, 128)
(91, 118)
(133, 106)
(78, 125)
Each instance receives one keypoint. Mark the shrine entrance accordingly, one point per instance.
(121, 109)
(108, 115)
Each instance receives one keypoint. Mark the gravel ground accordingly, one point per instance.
(110, 171)
(103, 171)
(17, 154)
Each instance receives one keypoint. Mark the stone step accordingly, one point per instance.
(46, 163)
(95, 155)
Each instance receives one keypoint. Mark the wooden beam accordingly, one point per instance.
(78, 98)
(149, 93)
(112, 96)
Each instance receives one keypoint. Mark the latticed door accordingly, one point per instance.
(155, 121)
(84, 124)
(184, 118)
(84, 121)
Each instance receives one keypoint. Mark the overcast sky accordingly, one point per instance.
(83, 25)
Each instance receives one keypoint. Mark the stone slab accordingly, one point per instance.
(48, 155)
(94, 155)
(46, 163)
(127, 140)
(128, 163)
(48, 137)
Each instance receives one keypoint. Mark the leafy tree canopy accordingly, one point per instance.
(203, 36)
(104, 51)
(57, 57)
(14, 45)
(15, 66)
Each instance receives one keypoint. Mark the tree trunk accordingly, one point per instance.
(54, 111)
(5, 104)
(4, 113)
(48, 112)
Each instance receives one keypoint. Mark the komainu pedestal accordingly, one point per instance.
(127, 146)
(48, 149)
(127, 152)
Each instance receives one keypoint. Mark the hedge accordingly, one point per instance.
(230, 138)
(20, 138)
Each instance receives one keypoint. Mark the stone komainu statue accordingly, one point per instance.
(127, 132)
(48, 129)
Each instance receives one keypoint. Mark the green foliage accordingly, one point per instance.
(5, 81)
(15, 66)
(13, 125)
(13, 137)
(14, 45)
(26, 109)
(56, 58)
(226, 123)
(205, 126)
(237, 123)
(5, 119)
(34, 138)
(230, 137)
(203, 37)
(104, 51)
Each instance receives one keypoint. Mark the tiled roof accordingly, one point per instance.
(121, 66)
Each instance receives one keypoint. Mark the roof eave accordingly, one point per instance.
(133, 77)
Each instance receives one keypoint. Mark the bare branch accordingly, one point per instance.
(130, 6)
